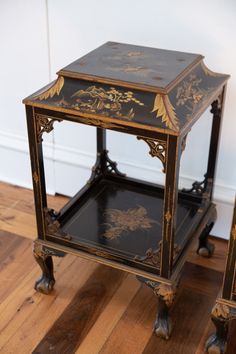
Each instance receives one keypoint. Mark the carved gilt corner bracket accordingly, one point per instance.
(158, 148)
(52, 225)
(44, 124)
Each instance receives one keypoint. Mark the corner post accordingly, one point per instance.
(173, 155)
(217, 108)
(37, 167)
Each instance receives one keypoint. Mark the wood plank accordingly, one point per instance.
(72, 326)
(109, 317)
(191, 311)
(32, 310)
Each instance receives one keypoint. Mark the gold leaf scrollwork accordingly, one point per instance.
(157, 149)
(165, 110)
(44, 124)
(53, 90)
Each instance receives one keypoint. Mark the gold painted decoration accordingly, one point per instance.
(121, 221)
(106, 102)
(157, 149)
(221, 310)
(165, 110)
(233, 232)
(55, 89)
(166, 292)
(44, 124)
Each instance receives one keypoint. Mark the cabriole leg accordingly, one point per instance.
(217, 342)
(43, 257)
(165, 294)
(46, 282)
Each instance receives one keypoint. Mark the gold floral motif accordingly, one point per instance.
(53, 90)
(165, 110)
(126, 220)
(97, 100)
(221, 310)
(168, 216)
(166, 292)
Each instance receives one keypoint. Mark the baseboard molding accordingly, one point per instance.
(77, 164)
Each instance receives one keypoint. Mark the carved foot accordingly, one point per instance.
(206, 251)
(205, 247)
(44, 285)
(166, 294)
(43, 257)
(217, 343)
(163, 324)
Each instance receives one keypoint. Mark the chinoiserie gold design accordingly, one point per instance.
(101, 124)
(131, 219)
(221, 310)
(189, 94)
(55, 89)
(233, 232)
(35, 177)
(44, 124)
(153, 257)
(165, 110)
(98, 100)
(166, 292)
(157, 149)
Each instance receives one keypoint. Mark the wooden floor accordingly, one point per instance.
(93, 309)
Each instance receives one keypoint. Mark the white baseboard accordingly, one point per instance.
(75, 165)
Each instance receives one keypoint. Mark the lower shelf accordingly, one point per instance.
(120, 220)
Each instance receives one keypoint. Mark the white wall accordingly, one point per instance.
(39, 37)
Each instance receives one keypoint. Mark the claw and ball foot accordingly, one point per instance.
(217, 342)
(163, 325)
(43, 257)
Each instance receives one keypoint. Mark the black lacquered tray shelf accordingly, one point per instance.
(121, 219)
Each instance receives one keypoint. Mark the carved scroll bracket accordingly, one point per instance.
(153, 257)
(158, 149)
(44, 124)
(52, 224)
(104, 165)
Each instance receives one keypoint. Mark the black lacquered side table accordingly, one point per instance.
(143, 228)
(225, 307)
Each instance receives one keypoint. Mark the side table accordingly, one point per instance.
(143, 228)
(225, 307)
